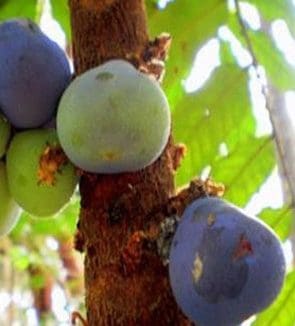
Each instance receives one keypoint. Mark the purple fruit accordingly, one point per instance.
(224, 265)
(34, 72)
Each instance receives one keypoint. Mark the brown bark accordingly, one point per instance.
(106, 29)
(126, 282)
(74, 267)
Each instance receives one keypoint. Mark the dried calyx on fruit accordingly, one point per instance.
(224, 265)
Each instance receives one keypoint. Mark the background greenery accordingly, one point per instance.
(220, 112)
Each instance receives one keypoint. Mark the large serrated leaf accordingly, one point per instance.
(280, 220)
(219, 112)
(16, 9)
(190, 24)
(245, 168)
(281, 312)
(61, 12)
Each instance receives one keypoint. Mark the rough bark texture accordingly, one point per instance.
(126, 282)
(106, 29)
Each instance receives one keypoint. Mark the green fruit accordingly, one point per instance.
(40, 177)
(113, 119)
(4, 134)
(9, 210)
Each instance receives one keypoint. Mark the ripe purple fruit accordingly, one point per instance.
(113, 119)
(34, 72)
(224, 265)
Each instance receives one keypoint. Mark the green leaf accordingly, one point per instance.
(226, 54)
(245, 168)
(19, 257)
(61, 12)
(37, 281)
(190, 24)
(279, 9)
(281, 74)
(282, 311)
(280, 220)
(16, 8)
(278, 70)
(219, 112)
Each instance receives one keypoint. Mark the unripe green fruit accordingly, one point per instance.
(113, 119)
(9, 210)
(4, 134)
(40, 177)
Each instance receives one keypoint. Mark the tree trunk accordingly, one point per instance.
(126, 282)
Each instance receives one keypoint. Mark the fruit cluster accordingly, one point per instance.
(111, 119)
(224, 266)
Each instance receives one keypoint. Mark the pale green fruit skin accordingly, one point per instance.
(22, 167)
(113, 119)
(5, 130)
(9, 210)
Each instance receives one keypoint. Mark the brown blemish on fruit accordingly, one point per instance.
(243, 248)
(111, 156)
(197, 269)
(50, 163)
(211, 219)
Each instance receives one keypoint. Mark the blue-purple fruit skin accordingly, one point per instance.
(224, 265)
(34, 72)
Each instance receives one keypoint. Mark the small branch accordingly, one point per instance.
(76, 316)
(282, 149)
(246, 35)
(196, 189)
(159, 232)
